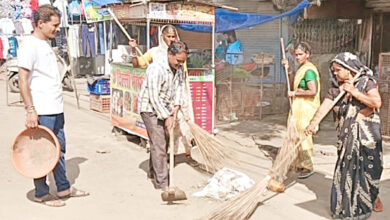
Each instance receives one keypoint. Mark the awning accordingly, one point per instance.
(106, 2)
(228, 20)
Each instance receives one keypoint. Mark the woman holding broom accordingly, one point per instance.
(306, 100)
(355, 187)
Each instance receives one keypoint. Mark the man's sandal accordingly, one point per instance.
(73, 193)
(50, 200)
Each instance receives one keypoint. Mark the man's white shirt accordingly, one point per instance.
(38, 57)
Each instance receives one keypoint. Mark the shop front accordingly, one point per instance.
(126, 80)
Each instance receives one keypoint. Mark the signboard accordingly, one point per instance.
(181, 12)
(202, 92)
(128, 12)
(126, 83)
(94, 12)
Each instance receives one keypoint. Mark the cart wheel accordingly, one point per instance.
(13, 83)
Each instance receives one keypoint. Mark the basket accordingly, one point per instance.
(100, 87)
(100, 103)
(35, 152)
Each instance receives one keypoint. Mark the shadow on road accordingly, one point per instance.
(321, 186)
(72, 172)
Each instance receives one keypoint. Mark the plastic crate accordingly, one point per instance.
(100, 87)
(100, 103)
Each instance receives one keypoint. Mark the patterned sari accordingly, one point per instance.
(359, 165)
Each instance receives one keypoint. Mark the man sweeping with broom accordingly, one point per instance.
(160, 99)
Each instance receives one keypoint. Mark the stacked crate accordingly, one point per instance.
(99, 98)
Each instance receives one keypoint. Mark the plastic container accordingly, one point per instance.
(100, 87)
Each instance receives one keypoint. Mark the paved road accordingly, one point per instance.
(116, 176)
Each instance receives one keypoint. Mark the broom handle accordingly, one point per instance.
(342, 93)
(171, 157)
(125, 32)
(285, 68)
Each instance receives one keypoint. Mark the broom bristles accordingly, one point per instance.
(213, 152)
(242, 206)
(287, 153)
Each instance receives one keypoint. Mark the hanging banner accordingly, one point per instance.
(181, 12)
(94, 12)
(126, 83)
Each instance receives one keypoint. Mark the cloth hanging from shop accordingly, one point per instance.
(7, 26)
(44, 2)
(18, 27)
(228, 20)
(74, 9)
(74, 40)
(27, 25)
(102, 46)
(17, 13)
(60, 41)
(88, 39)
(61, 5)
(112, 39)
(13, 42)
(5, 42)
(34, 5)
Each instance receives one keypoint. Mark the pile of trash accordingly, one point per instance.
(225, 184)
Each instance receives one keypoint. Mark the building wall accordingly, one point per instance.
(263, 38)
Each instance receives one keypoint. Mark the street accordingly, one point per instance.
(113, 170)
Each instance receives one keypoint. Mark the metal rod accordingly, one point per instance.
(148, 34)
(213, 72)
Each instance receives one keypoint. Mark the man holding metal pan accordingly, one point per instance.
(41, 89)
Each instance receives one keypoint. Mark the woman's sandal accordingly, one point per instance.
(74, 193)
(50, 200)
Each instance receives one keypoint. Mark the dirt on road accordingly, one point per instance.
(113, 170)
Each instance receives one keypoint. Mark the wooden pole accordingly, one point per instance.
(123, 29)
(261, 86)
(285, 69)
(71, 75)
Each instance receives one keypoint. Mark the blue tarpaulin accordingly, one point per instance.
(106, 2)
(228, 20)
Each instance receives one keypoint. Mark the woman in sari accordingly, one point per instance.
(355, 186)
(306, 100)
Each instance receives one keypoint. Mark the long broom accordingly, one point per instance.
(288, 152)
(242, 206)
